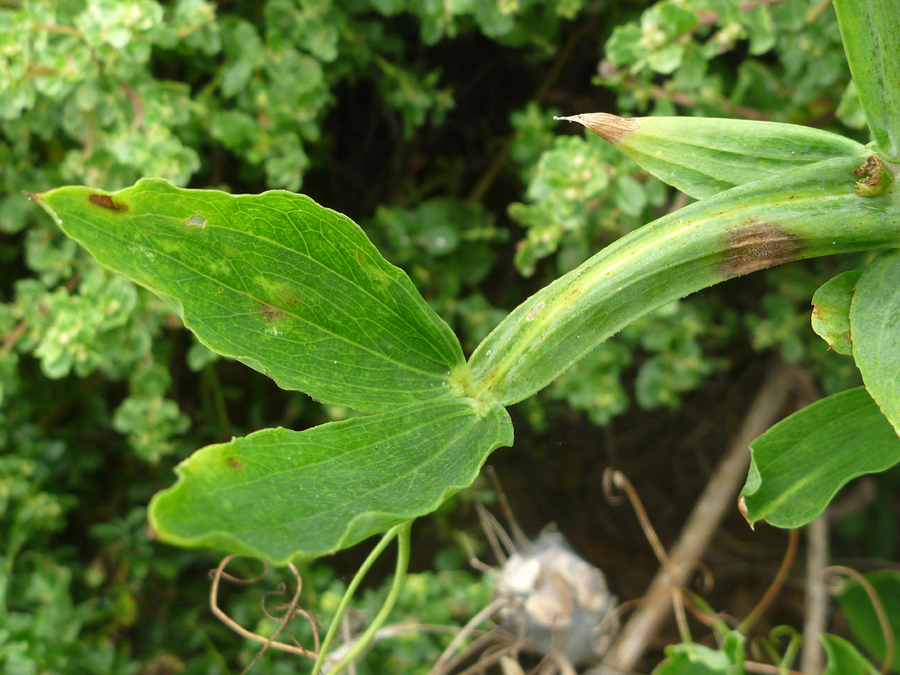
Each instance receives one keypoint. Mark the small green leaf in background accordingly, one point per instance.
(694, 659)
(831, 311)
(279, 494)
(798, 465)
(875, 329)
(701, 157)
(871, 35)
(861, 616)
(290, 288)
(844, 659)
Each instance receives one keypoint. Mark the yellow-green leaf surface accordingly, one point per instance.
(870, 30)
(276, 281)
(798, 465)
(831, 311)
(705, 156)
(875, 329)
(279, 494)
(804, 213)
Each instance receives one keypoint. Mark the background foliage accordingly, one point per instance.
(430, 123)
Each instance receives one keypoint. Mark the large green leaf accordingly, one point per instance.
(831, 311)
(861, 615)
(279, 494)
(702, 157)
(804, 213)
(798, 465)
(875, 329)
(276, 281)
(844, 659)
(871, 34)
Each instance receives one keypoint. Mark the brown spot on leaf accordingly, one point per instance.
(106, 202)
(756, 245)
(610, 128)
(234, 464)
(288, 298)
(269, 313)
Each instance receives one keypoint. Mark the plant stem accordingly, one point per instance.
(402, 531)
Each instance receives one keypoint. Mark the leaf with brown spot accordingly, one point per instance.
(279, 494)
(106, 202)
(351, 328)
(831, 311)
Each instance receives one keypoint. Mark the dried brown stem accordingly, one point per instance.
(717, 497)
(13, 336)
(777, 583)
(439, 667)
(267, 642)
(816, 610)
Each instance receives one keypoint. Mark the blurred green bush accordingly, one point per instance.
(423, 120)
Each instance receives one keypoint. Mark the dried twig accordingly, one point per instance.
(816, 610)
(291, 612)
(702, 523)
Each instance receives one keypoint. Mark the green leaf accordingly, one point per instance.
(702, 157)
(844, 659)
(876, 333)
(694, 659)
(861, 616)
(288, 287)
(831, 311)
(279, 494)
(805, 213)
(798, 465)
(871, 35)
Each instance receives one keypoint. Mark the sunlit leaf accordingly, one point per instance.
(276, 281)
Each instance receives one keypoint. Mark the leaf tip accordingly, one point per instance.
(742, 507)
(610, 128)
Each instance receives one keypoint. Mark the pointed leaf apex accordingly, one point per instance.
(610, 128)
(742, 507)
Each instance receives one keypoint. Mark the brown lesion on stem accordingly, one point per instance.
(874, 178)
(610, 128)
(756, 245)
(106, 202)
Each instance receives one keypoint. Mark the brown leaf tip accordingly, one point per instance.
(756, 245)
(106, 202)
(610, 128)
(742, 507)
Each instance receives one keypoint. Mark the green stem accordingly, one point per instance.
(402, 562)
(803, 213)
